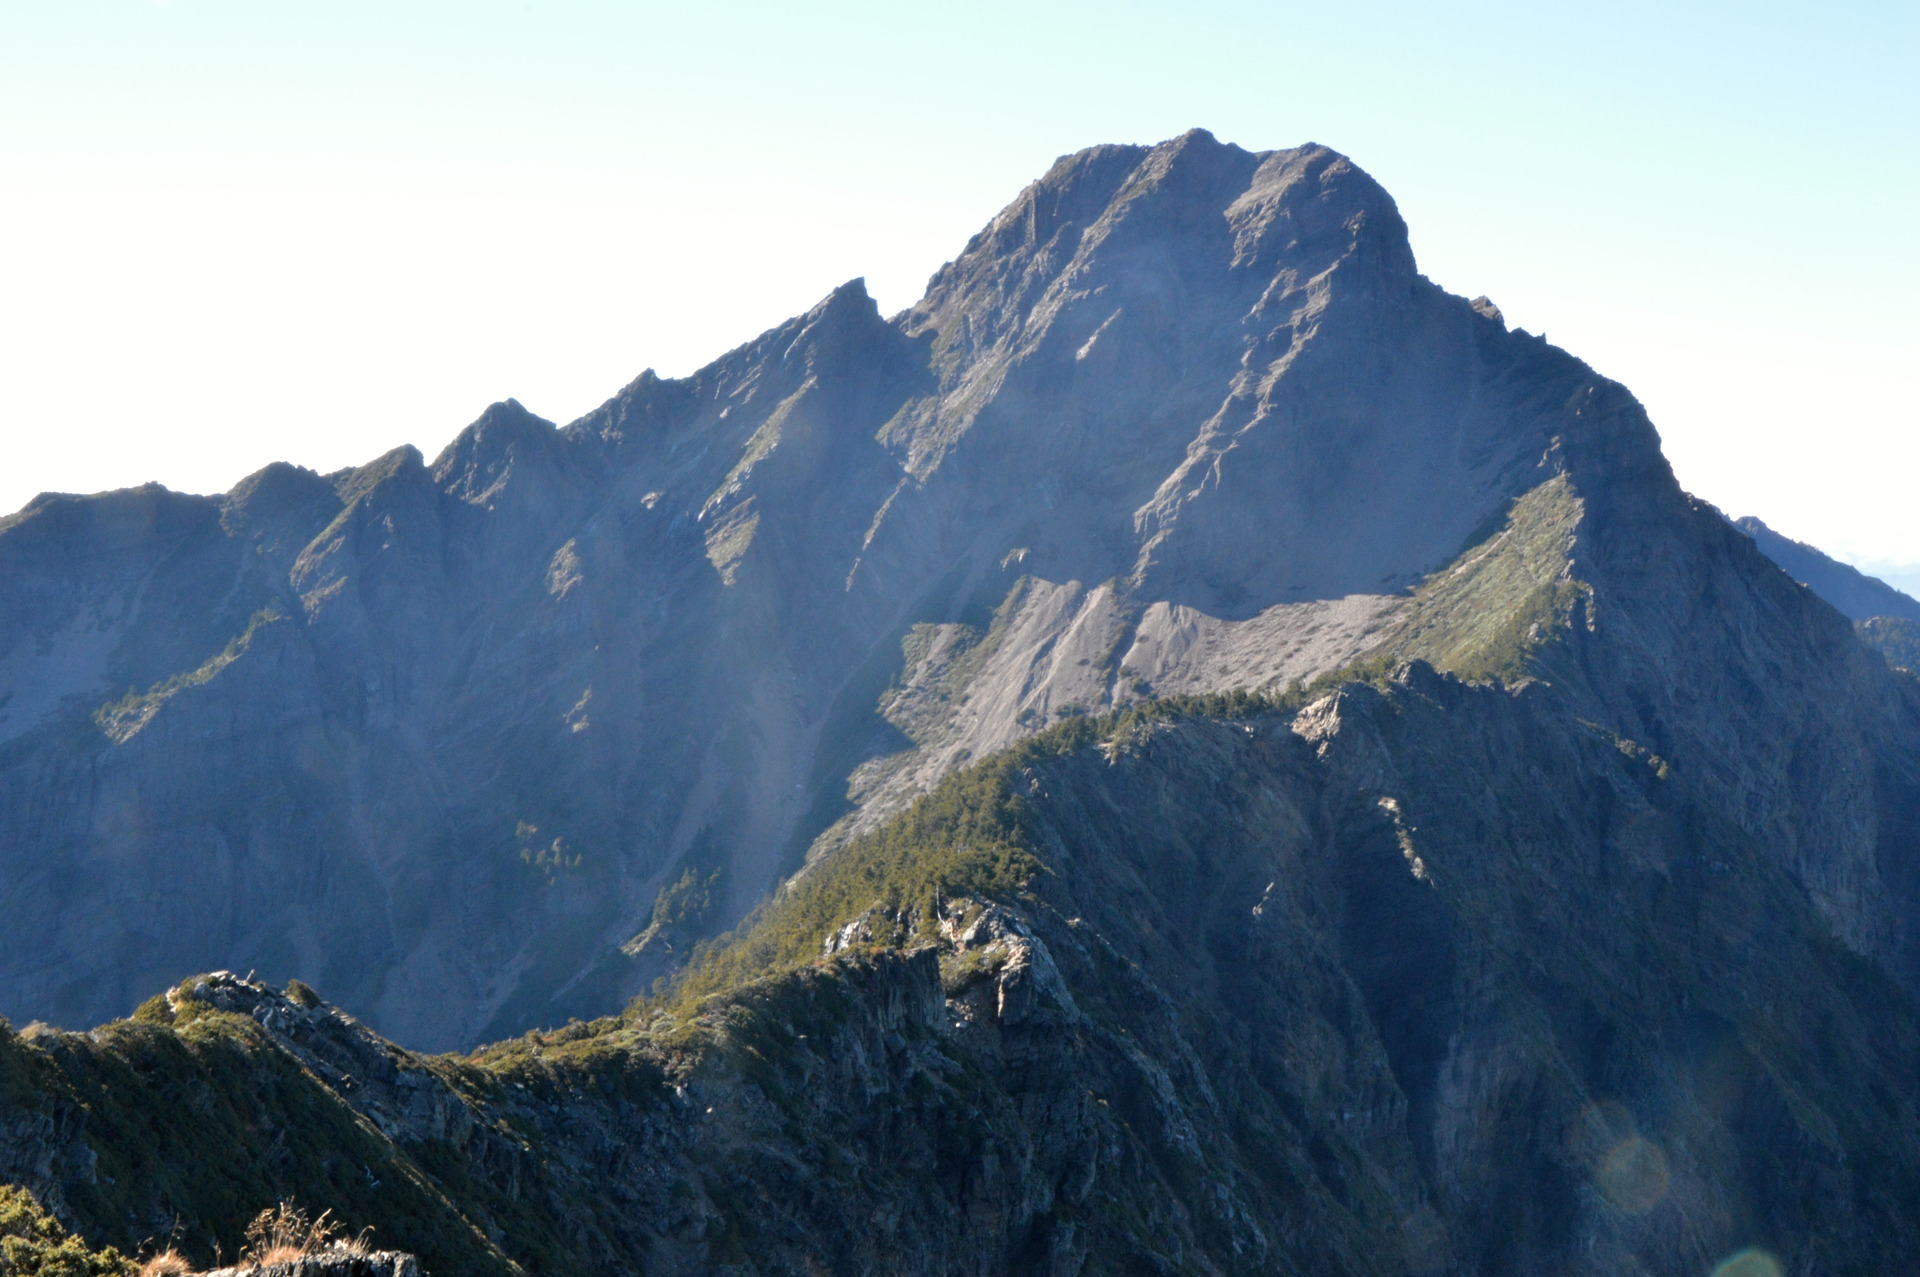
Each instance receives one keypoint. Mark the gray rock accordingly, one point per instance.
(342, 1263)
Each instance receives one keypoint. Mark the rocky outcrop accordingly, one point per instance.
(341, 1263)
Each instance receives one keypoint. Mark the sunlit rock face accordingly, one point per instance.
(485, 742)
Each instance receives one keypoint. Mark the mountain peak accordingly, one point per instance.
(853, 293)
(478, 459)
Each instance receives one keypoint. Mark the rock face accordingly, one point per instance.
(480, 743)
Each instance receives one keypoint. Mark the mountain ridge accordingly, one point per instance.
(1191, 751)
(1059, 1016)
(1244, 426)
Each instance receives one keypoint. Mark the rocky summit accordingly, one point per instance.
(1190, 749)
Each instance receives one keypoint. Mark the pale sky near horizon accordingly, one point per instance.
(235, 231)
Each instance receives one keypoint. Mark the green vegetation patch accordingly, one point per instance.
(33, 1244)
(731, 538)
(199, 1121)
(683, 903)
(974, 835)
(549, 858)
(970, 836)
(122, 720)
(1483, 616)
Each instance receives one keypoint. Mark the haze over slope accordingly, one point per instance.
(444, 738)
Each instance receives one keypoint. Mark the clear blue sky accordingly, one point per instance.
(239, 230)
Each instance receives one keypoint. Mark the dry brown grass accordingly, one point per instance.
(168, 1263)
(283, 1233)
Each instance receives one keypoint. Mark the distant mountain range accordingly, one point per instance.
(1852, 591)
(1904, 577)
(1189, 750)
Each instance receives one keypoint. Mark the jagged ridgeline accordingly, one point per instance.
(1189, 750)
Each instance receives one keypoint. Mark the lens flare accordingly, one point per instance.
(1633, 1176)
(1748, 1263)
